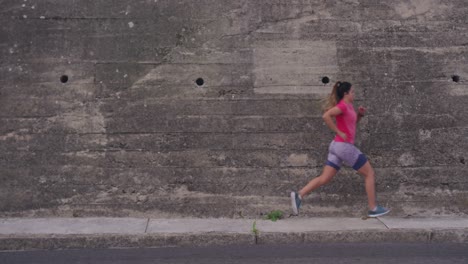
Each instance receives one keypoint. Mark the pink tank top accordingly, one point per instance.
(346, 122)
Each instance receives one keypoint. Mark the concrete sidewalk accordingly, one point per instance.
(64, 233)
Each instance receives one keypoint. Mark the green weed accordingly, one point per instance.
(275, 215)
(254, 228)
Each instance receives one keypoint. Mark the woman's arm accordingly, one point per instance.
(328, 118)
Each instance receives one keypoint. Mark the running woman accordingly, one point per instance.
(342, 150)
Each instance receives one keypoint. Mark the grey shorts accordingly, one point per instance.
(341, 152)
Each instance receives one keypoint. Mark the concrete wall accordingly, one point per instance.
(132, 133)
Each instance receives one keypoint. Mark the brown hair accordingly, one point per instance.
(338, 92)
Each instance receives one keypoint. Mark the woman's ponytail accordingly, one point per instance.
(338, 91)
(330, 100)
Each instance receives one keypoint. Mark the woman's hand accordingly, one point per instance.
(361, 110)
(342, 135)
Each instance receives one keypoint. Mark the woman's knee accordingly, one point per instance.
(367, 170)
(370, 174)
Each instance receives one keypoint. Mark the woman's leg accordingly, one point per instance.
(326, 176)
(369, 177)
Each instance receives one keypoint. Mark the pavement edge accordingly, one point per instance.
(96, 241)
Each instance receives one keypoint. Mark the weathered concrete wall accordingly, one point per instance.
(131, 132)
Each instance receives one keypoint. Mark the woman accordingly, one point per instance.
(342, 149)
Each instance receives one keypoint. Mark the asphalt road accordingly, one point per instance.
(311, 253)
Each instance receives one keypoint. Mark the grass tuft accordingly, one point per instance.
(275, 215)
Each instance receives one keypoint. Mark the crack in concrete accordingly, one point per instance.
(382, 222)
(147, 224)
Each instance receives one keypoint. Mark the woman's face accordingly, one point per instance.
(349, 96)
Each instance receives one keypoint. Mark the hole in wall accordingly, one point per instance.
(455, 78)
(325, 80)
(64, 78)
(200, 81)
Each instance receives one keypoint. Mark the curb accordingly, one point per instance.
(53, 242)
(95, 241)
(368, 236)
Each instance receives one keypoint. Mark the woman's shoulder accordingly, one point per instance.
(341, 104)
(344, 106)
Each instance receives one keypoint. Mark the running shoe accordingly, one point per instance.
(379, 211)
(295, 202)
